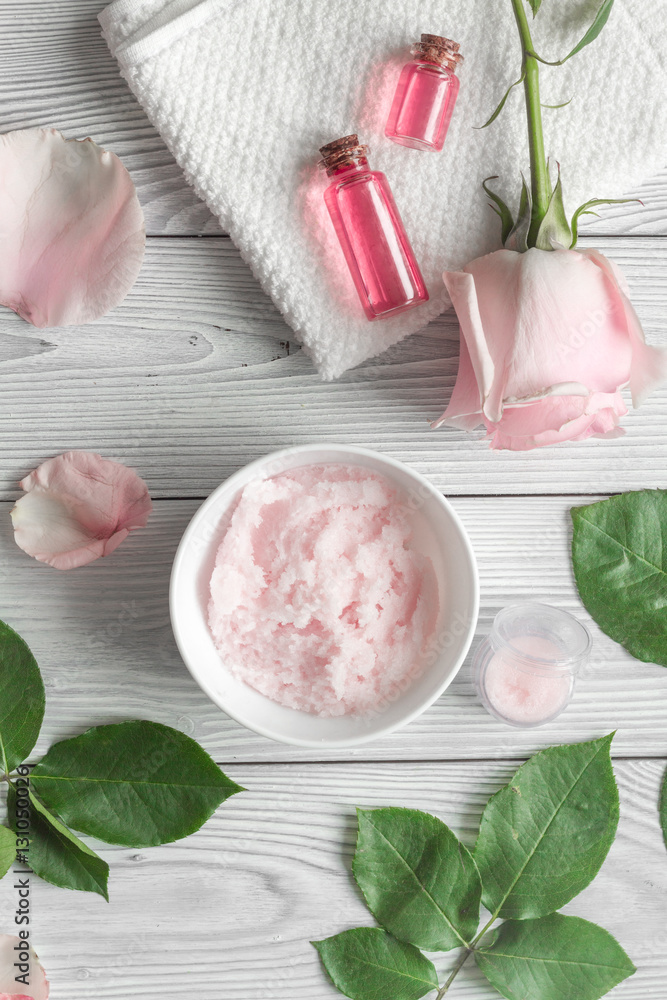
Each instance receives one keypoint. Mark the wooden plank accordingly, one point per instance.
(57, 71)
(167, 384)
(228, 913)
(103, 639)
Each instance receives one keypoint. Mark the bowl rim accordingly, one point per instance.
(244, 474)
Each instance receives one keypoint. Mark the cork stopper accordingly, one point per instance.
(439, 50)
(345, 152)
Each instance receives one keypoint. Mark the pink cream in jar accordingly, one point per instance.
(525, 670)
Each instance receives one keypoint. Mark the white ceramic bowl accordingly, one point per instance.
(438, 533)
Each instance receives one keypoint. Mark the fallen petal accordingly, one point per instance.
(72, 237)
(78, 507)
(39, 986)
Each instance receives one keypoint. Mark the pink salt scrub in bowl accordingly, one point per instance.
(324, 596)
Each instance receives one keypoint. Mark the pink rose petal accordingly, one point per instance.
(78, 507)
(649, 364)
(72, 236)
(557, 419)
(9, 988)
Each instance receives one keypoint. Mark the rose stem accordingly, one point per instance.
(539, 171)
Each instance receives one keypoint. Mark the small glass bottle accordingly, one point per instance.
(370, 231)
(525, 670)
(426, 94)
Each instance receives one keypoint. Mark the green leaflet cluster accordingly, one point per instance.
(137, 784)
(542, 839)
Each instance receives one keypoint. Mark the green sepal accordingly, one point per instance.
(598, 24)
(502, 210)
(585, 210)
(503, 102)
(518, 237)
(535, 6)
(554, 231)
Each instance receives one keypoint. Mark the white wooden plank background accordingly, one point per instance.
(191, 377)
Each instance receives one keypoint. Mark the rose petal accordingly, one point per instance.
(39, 986)
(72, 237)
(557, 419)
(463, 293)
(465, 406)
(649, 364)
(78, 507)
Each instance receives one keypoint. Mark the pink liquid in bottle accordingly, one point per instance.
(370, 231)
(426, 94)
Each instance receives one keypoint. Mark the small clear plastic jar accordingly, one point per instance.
(526, 668)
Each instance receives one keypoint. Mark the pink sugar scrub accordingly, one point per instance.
(526, 694)
(317, 599)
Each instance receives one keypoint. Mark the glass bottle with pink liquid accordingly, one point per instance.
(426, 94)
(370, 231)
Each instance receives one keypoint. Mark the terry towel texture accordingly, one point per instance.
(245, 91)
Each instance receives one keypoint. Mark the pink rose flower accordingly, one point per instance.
(9, 988)
(548, 338)
(78, 507)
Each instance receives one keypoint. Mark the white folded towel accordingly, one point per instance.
(245, 91)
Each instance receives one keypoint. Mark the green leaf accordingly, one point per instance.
(663, 808)
(368, 964)
(518, 237)
(21, 700)
(544, 836)
(554, 229)
(419, 881)
(555, 958)
(56, 855)
(620, 566)
(135, 783)
(585, 210)
(598, 24)
(535, 6)
(7, 849)
(502, 210)
(502, 103)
